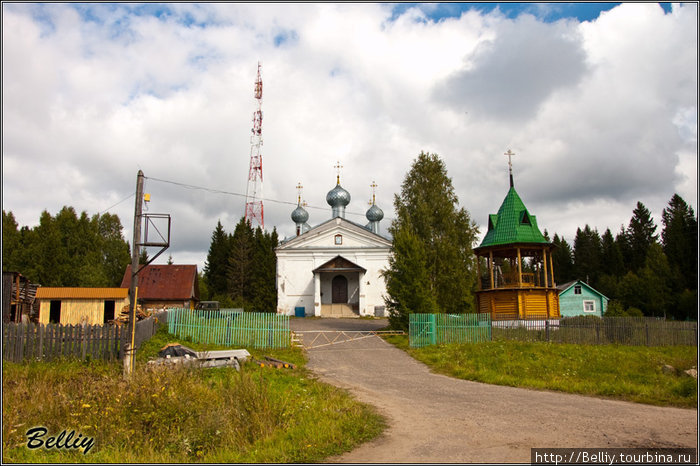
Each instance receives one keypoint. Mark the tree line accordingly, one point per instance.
(642, 272)
(66, 249)
(241, 268)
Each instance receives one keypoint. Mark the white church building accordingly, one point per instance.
(333, 269)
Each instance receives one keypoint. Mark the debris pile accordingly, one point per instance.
(272, 362)
(174, 354)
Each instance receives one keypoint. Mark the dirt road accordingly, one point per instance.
(439, 419)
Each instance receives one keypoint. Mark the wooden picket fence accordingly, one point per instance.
(28, 341)
(634, 331)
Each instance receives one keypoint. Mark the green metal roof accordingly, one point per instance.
(513, 224)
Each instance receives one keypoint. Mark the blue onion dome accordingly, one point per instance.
(374, 214)
(338, 197)
(300, 215)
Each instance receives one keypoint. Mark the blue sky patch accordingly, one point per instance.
(547, 12)
(285, 37)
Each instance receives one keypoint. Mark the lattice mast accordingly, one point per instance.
(254, 192)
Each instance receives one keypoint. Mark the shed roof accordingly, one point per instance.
(512, 224)
(45, 292)
(165, 282)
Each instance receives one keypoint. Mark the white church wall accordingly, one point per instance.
(296, 261)
(296, 285)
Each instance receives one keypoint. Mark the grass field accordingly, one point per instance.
(632, 373)
(257, 415)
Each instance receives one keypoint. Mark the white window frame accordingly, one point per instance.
(586, 301)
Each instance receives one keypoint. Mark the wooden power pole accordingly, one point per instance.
(135, 244)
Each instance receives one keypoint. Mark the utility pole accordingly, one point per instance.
(133, 288)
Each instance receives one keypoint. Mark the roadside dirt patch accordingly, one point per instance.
(438, 419)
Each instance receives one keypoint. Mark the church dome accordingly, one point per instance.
(300, 215)
(338, 197)
(374, 214)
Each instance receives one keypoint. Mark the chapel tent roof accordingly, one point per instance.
(513, 224)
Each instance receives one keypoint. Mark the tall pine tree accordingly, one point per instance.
(427, 211)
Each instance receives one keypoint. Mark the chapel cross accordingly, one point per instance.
(510, 153)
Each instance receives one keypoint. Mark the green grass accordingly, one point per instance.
(166, 415)
(631, 373)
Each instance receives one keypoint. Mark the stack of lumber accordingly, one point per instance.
(123, 316)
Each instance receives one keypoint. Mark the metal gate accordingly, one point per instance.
(308, 339)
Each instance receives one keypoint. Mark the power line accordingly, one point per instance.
(229, 193)
(111, 207)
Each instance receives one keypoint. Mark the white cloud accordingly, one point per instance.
(601, 114)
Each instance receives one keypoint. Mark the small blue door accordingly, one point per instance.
(299, 312)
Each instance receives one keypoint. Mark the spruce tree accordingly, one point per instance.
(680, 240)
(428, 212)
(611, 262)
(407, 280)
(641, 235)
(216, 265)
(240, 264)
(562, 260)
(262, 278)
(587, 254)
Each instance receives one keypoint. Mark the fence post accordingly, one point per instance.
(433, 330)
(646, 328)
(546, 329)
(84, 342)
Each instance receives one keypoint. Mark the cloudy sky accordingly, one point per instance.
(599, 102)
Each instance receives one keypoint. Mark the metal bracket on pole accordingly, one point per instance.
(162, 241)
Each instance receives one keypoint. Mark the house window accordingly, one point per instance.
(577, 289)
(589, 306)
(338, 239)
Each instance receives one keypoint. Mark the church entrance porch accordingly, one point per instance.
(337, 288)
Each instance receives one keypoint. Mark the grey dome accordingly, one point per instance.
(374, 214)
(338, 197)
(300, 215)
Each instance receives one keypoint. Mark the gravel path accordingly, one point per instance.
(438, 419)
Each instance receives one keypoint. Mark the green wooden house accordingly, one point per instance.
(578, 298)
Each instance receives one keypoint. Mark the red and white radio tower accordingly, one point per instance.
(254, 192)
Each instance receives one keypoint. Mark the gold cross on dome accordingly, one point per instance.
(299, 188)
(373, 186)
(337, 167)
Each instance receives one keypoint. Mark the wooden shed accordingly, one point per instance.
(519, 278)
(71, 306)
(165, 286)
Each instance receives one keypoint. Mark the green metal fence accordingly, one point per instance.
(249, 329)
(433, 329)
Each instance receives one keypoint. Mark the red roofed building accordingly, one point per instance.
(165, 286)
